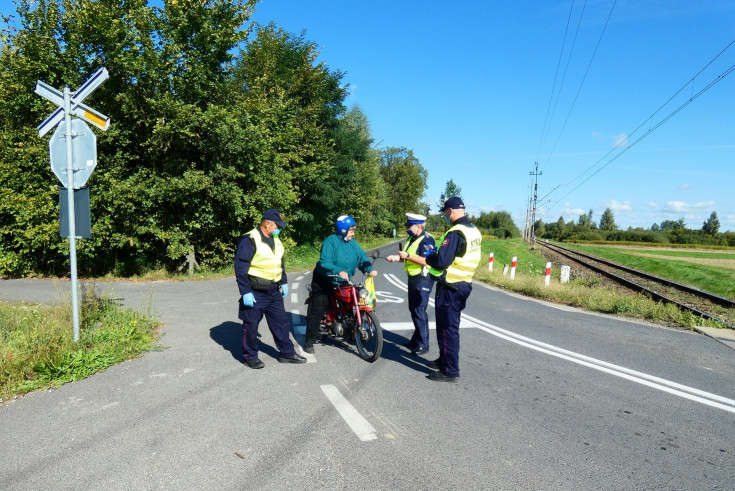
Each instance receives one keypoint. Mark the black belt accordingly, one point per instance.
(260, 284)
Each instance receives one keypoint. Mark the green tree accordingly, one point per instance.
(712, 225)
(497, 223)
(539, 228)
(450, 190)
(583, 222)
(406, 180)
(213, 121)
(368, 192)
(671, 225)
(561, 229)
(607, 221)
(297, 151)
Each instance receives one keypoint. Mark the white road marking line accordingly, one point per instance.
(403, 286)
(657, 383)
(362, 428)
(661, 384)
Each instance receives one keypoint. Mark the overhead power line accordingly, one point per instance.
(596, 167)
(553, 86)
(584, 77)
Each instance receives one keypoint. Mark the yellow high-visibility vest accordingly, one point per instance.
(463, 267)
(411, 268)
(266, 262)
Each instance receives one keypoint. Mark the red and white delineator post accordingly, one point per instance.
(490, 262)
(547, 278)
(513, 268)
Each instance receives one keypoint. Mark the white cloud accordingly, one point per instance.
(681, 207)
(619, 139)
(617, 206)
(572, 212)
(653, 204)
(685, 186)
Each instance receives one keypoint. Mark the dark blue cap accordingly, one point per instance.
(455, 203)
(274, 216)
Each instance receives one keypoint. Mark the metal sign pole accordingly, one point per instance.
(71, 104)
(70, 208)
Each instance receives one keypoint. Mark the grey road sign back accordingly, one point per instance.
(84, 152)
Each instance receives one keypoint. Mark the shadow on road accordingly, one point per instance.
(393, 350)
(229, 336)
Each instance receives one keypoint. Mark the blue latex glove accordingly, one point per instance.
(284, 289)
(248, 299)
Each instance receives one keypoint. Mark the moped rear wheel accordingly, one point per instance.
(369, 337)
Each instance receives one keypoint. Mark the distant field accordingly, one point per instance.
(712, 271)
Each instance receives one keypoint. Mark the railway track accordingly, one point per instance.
(699, 302)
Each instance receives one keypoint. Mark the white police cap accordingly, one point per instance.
(414, 218)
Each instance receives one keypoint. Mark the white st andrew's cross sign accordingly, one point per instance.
(83, 141)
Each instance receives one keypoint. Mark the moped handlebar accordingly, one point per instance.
(346, 281)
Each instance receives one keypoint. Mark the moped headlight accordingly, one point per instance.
(363, 293)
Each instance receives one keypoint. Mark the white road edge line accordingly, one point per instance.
(362, 428)
(661, 384)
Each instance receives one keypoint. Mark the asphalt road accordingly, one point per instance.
(549, 398)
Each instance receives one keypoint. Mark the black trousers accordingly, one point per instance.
(321, 289)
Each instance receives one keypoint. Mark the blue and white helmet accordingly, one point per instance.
(343, 224)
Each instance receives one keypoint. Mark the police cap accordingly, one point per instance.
(414, 219)
(274, 216)
(455, 203)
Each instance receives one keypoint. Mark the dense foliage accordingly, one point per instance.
(214, 120)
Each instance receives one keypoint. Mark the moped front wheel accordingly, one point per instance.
(369, 337)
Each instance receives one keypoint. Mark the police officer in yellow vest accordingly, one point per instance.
(454, 265)
(261, 279)
(419, 244)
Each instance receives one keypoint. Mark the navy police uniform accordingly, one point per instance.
(259, 269)
(420, 283)
(454, 265)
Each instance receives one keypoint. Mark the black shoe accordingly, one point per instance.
(309, 349)
(440, 377)
(255, 363)
(419, 351)
(295, 358)
(409, 346)
(434, 364)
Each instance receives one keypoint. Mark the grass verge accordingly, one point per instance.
(586, 294)
(37, 350)
(715, 277)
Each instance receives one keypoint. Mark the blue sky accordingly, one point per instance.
(470, 87)
(482, 90)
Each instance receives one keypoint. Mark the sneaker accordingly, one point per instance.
(440, 377)
(295, 358)
(255, 363)
(419, 351)
(309, 349)
(434, 364)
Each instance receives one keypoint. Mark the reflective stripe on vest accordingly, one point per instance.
(463, 267)
(411, 268)
(266, 262)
